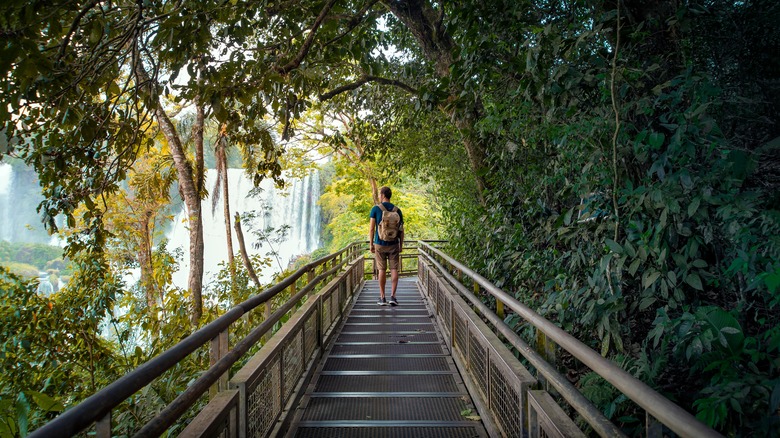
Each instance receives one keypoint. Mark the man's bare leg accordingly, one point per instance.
(394, 280)
(382, 279)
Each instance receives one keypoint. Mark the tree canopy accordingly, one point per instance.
(613, 163)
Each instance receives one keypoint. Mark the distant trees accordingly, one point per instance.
(35, 254)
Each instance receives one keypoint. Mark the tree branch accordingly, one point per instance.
(295, 62)
(354, 21)
(74, 26)
(362, 81)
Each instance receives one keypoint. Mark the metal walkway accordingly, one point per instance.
(388, 374)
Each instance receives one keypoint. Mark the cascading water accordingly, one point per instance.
(296, 207)
(20, 195)
(6, 180)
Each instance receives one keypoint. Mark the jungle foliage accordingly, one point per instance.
(35, 254)
(614, 163)
(633, 188)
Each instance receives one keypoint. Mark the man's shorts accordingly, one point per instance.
(383, 253)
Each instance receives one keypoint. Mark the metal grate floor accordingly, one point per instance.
(387, 375)
(394, 431)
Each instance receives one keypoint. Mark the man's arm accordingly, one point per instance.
(371, 231)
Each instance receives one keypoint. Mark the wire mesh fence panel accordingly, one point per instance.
(264, 400)
(478, 360)
(460, 340)
(310, 334)
(506, 402)
(293, 362)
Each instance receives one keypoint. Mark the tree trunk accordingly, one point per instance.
(425, 24)
(191, 195)
(374, 190)
(222, 167)
(145, 263)
(189, 190)
(197, 136)
(242, 248)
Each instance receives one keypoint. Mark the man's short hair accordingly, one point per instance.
(386, 192)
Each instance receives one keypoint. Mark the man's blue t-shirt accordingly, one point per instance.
(376, 213)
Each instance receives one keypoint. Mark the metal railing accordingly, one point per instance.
(504, 391)
(408, 260)
(325, 284)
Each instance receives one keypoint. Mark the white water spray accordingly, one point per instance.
(297, 208)
(6, 182)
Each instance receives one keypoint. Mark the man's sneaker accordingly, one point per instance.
(382, 302)
(393, 301)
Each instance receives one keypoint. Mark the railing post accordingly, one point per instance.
(348, 281)
(653, 429)
(103, 427)
(320, 322)
(217, 350)
(546, 348)
(500, 308)
(266, 316)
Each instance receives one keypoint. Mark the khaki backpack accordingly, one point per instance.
(390, 225)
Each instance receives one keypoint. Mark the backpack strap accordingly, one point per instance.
(381, 207)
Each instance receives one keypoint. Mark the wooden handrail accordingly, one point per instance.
(582, 405)
(673, 416)
(101, 403)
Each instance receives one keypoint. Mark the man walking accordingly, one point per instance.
(386, 239)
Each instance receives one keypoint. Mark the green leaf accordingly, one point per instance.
(629, 248)
(113, 89)
(634, 266)
(735, 405)
(694, 281)
(650, 278)
(22, 412)
(694, 349)
(46, 403)
(656, 140)
(646, 302)
(614, 246)
(699, 263)
(772, 281)
(693, 206)
(567, 217)
(672, 278)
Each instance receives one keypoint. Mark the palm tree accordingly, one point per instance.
(256, 167)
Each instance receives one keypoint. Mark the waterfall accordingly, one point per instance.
(6, 181)
(20, 194)
(296, 207)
